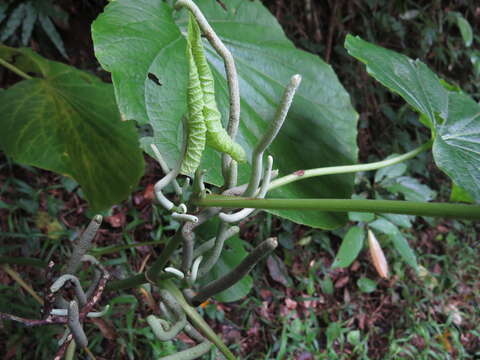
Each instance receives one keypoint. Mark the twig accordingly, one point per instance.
(48, 296)
(16, 70)
(247, 264)
(50, 320)
(63, 348)
(270, 134)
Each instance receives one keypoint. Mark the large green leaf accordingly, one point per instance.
(66, 121)
(457, 145)
(142, 45)
(411, 79)
(453, 116)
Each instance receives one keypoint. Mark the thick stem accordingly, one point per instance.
(305, 174)
(16, 70)
(447, 210)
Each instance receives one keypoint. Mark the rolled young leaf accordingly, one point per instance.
(217, 136)
(195, 120)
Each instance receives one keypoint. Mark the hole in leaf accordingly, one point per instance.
(221, 3)
(154, 78)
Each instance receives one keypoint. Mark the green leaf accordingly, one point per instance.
(457, 145)
(411, 79)
(404, 249)
(390, 171)
(400, 220)
(384, 226)
(133, 39)
(232, 255)
(28, 23)
(3, 11)
(13, 22)
(366, 285)
(67, 121)
(453, 116)
(334, 330)
(52, 33)
(460, 195)
(360, 216)
(410, 188)
(351, 246)
(465, 28)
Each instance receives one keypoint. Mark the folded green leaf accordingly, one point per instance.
(196, 128)
(217, 136)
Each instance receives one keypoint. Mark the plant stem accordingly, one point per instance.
(16, 70)
(23, 261)
(448, 210)
(305, 174)
(16, 276)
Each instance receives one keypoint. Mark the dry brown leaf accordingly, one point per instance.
(378, 257)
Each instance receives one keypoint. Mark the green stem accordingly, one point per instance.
(23, 261)
(15, 70)
(197, 320)
(116, 248)
(305, 174)
(448, 210)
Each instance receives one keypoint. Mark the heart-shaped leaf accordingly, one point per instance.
(143, 46)
(67, 121)
(453, 116)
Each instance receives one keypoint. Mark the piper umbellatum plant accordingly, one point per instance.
(176, 278)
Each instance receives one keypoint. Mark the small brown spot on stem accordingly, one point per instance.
(299, 172)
